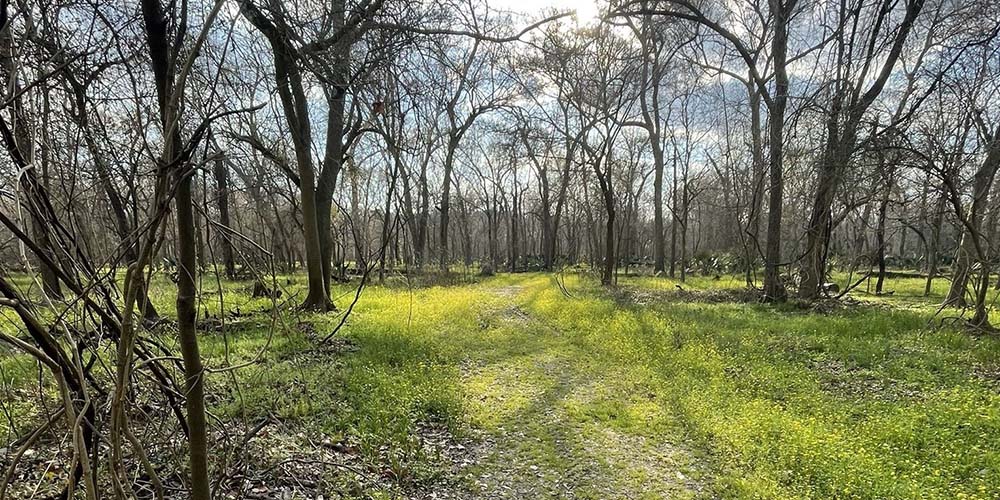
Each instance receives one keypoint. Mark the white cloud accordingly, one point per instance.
(587, 11)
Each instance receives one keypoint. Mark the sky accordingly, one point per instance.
(586, 10)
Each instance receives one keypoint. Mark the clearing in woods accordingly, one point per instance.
(515, 387)
(556, 420)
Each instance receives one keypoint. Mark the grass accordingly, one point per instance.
(865, 403)
(600, 396)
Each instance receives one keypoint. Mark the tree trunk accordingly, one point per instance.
(50, 281)
(221, 174)
(960, 273)
(159, 48)
(981, 316)
(883, 209)
(834, 164)
(514, 229)
(466, 234)
(358, 225)
(658, 253)
(296, 111)
(757, 190)
(607, 276)
(408, 206)
(330, 171)
(25, 145)
(423, 217)
(973, 249)
(674, 210)
(607, 192)
(449, 163)
(199, 223)
(774, 289)
(685, 209)
(188, 339)
(840, 142)
(651, 75)
(934, 244)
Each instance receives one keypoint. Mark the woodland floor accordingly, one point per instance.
(514, 388)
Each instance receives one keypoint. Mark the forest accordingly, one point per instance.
(499, 249)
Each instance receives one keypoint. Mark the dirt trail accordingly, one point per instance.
(536, 440)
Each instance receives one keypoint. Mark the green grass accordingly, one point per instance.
(597, 396)
(866, 403)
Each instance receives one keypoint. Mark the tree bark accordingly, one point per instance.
(221, 174)
(757, 190)
(774, 289)
(331, 168)
(880, 245)
(449, 163)
(156, 25)
(423, 216)
(973, 249)
(294, 103)
(935, 242)
(840, 143)
(25, 145)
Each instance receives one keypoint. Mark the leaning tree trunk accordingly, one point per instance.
(960, 274)
(841, 140)
(813, 271)
(981, 316)
(24, 143)
(974, 248)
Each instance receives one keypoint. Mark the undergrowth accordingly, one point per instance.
(594, 396)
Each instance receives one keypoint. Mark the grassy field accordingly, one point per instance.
(510, 388)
